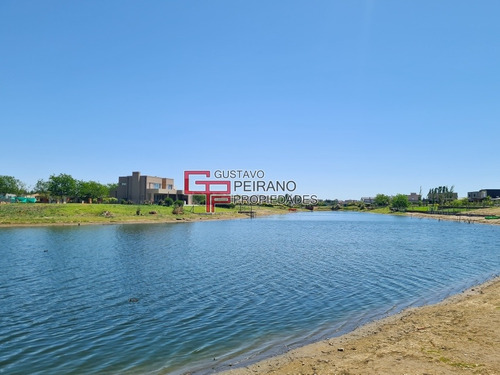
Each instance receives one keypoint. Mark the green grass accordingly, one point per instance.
(41, 213)
(464, 365)
(419, 208)
(382, 210)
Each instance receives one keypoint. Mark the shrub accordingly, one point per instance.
(400, 202)
(110, 200)
(226, 205)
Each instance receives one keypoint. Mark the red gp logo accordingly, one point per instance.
(215, 191)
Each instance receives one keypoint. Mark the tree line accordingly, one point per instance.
(439, 195)
(61, 187)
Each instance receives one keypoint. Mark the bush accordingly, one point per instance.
(178, 210)
(110, 200)
(400, 202)
(199, 199)
(226, 205)
(168, 202)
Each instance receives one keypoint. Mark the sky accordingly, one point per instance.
(346, 98)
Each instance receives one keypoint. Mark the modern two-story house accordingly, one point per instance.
(148, 189)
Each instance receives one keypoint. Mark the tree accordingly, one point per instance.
(400, 202)
(382, 200)
(441, 194)
(112, 187)
(179, 203)
(11, 185)
(460, 202)
(42, 188)
(487, 201)
(87, 190)
(62, 185)
(199, 199)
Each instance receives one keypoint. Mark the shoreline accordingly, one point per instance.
(197, 217)
(457, 335)
(190, 218)
(458, 218)
(89, 223)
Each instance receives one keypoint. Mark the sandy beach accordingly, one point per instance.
(460, 335)
(460, 218)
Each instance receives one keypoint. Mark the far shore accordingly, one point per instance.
(463, 218)
(459, 335)
(180, 219)
(74, 214)
(44, 215)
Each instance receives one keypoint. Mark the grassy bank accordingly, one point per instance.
(490, 211)
(74, 213)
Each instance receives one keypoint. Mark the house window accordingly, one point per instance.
(124, 184)
(170, 187)
(153, 185)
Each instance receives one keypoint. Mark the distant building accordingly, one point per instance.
(414, 197)
(368, 200)
(477, 196)
(148, 189)
(473, 196)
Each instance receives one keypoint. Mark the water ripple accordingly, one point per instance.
(214, 293)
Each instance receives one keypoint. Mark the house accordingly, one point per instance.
(368, 200)
(148, 189)
(473, 196)
(477, 196)
(414, 197)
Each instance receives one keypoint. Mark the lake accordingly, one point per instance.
(197, 297)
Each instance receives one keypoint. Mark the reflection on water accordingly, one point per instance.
(213, 293)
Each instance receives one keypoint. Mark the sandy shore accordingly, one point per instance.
(459, 218)
(460, 335)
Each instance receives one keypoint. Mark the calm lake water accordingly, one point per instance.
(217, 293)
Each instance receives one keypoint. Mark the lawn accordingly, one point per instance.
(42, 213)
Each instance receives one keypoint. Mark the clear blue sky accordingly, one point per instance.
(347, 98)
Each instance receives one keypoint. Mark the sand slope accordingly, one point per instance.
(458, 336)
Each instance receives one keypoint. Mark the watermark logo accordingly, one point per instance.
(215, 191)
(242, 186)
